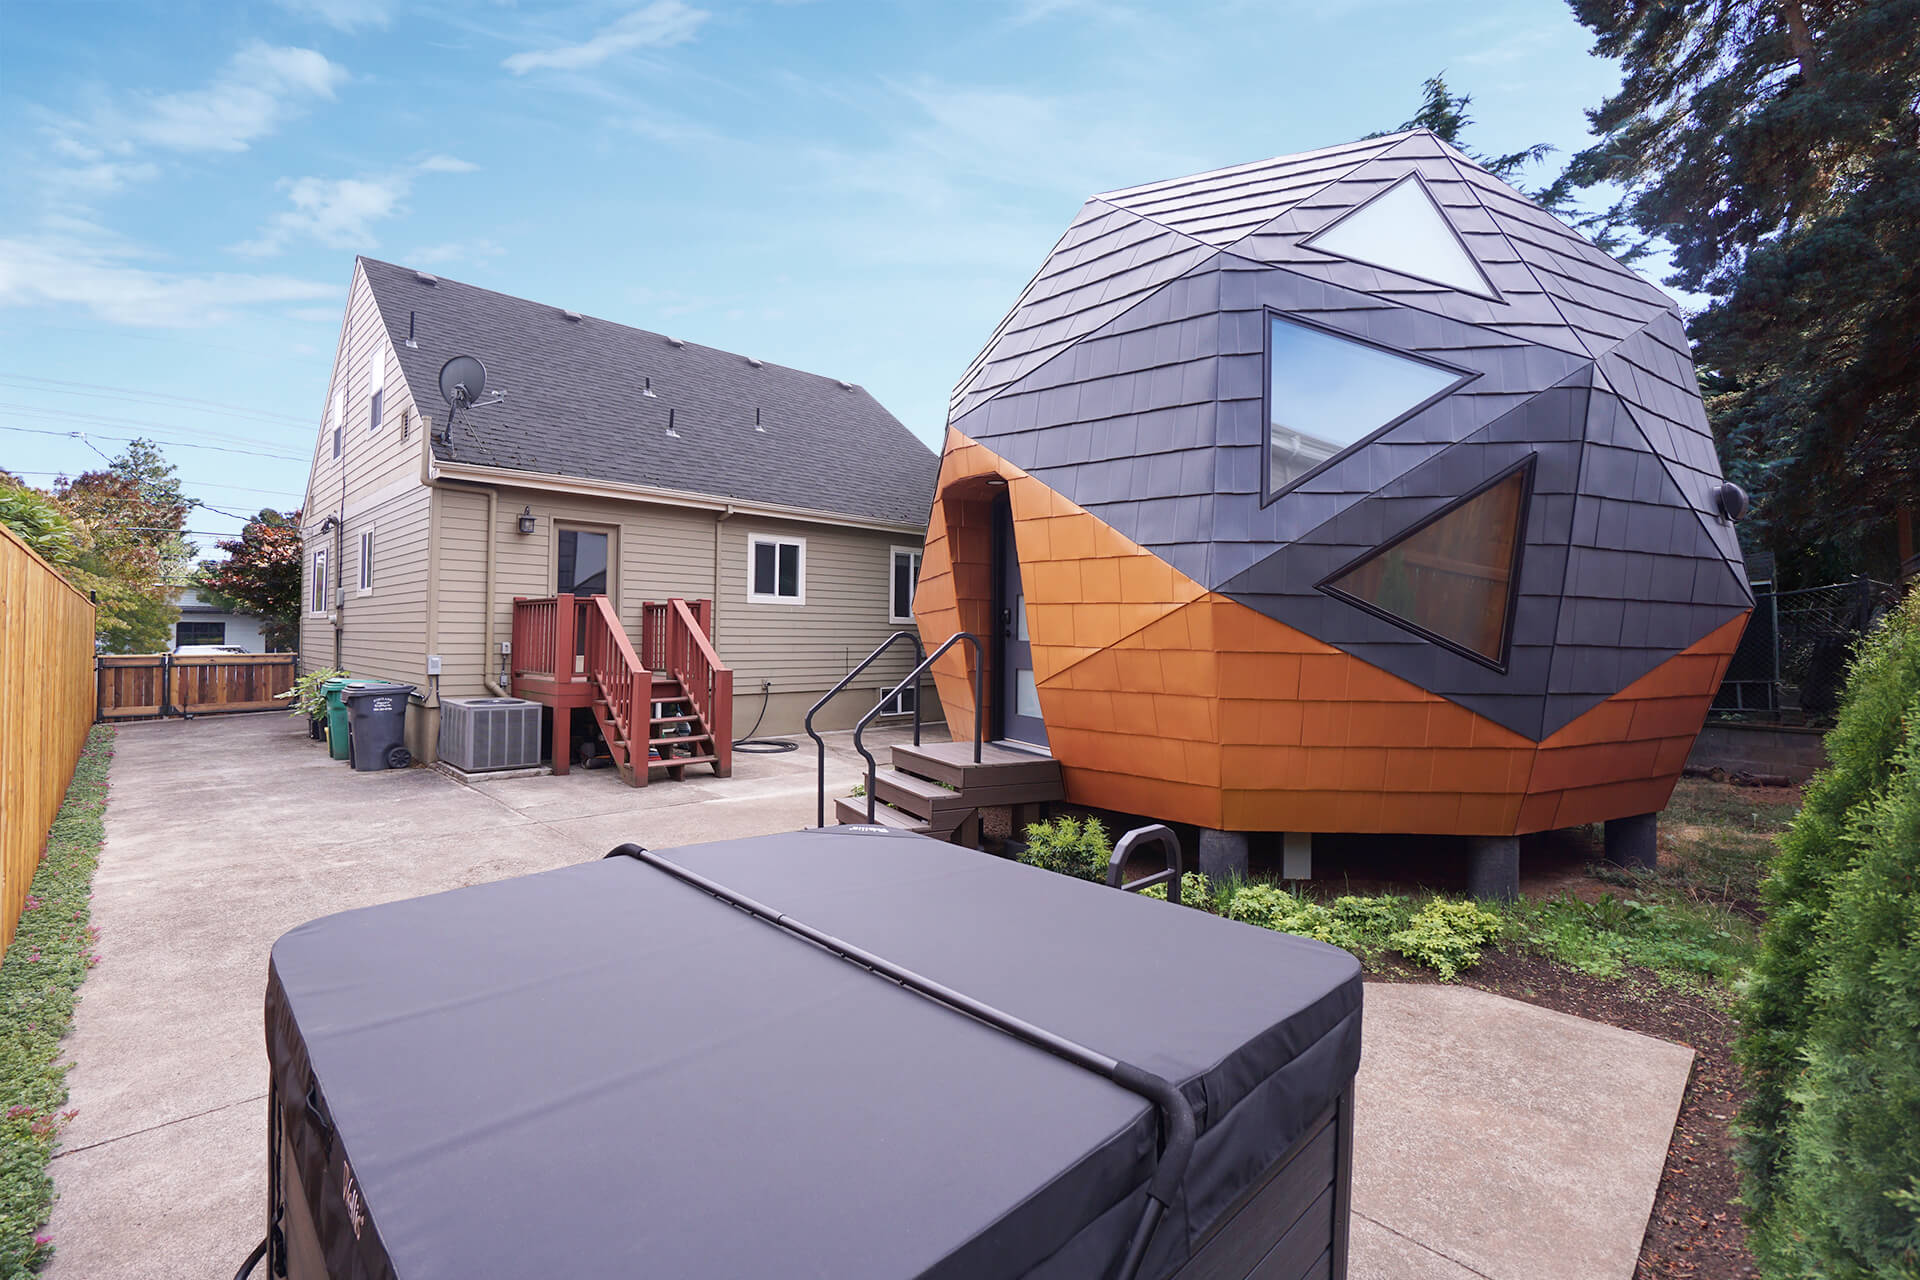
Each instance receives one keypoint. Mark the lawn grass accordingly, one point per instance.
(40, 978)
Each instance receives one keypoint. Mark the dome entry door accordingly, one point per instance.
(1016, 697)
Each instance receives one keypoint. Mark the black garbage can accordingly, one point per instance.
(378, 713)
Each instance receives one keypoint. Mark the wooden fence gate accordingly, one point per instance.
(133, 685)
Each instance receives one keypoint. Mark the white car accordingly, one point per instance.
(197, 650)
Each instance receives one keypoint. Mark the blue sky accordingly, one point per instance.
(856, 189)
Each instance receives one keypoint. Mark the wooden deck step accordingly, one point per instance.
(674, 719)
(852, 811)
(918, 796)
(1003, 775)
(679, 739)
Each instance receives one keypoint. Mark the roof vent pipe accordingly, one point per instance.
(670, 430)
(756, 421)
(410, 341)
(646, 386)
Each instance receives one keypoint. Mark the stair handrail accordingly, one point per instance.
(611, 661)
(820, 743)
(693, 661)
(913, 677)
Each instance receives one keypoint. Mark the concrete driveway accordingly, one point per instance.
(1495, 1139)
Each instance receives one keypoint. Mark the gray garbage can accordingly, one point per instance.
(379, 725)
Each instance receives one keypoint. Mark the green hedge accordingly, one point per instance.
(1830, 1037)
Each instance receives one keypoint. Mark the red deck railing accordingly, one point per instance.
(568, 640)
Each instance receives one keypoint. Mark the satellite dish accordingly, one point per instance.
(463, 380)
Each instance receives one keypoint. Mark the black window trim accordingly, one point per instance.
(1526, 465)
(1270, 314)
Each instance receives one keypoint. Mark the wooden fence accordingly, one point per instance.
(132, 685)
(46, 704)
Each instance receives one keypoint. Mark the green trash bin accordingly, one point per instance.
(338, 737)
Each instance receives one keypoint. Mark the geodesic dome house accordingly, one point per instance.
(1343, 492)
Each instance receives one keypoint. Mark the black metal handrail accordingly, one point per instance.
(920, 655)
(979, 664)
(1169, 846)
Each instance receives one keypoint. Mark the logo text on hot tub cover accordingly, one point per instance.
(350, 1194)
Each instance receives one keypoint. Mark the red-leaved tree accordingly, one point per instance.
(261, 575)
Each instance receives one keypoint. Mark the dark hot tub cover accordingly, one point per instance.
(604, 1072)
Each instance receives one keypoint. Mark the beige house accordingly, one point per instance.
(601, 460)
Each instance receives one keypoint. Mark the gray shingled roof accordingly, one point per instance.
(574, 407)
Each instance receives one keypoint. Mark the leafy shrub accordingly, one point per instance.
(1831, 1018)
(1272, 907)
(1195, 891)
(1446, 936)
(1070, 846)
(309, 699)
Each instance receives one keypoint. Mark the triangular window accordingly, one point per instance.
(1403, 230)
(1326, 393)
(1450, 578)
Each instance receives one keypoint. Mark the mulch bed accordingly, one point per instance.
(1695, 1232)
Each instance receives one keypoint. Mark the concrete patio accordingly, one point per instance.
(1494, 1139)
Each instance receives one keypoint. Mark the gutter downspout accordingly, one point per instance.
(486, 667)
(719, 518)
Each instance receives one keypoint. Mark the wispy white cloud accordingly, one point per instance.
(342, 15)
(53, 270)
(340, 213)
(453, 253)
(659, 25)
(260, 87)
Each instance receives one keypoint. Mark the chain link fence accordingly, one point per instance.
(1792, 662)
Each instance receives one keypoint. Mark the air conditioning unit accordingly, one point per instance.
(478, 734)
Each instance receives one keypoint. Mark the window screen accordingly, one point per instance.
(778, 570)
(185, 633)
(583, 563)
(1326, 393)
(906, 577)
(376, 386)
(1451, 578)
(1403, 230)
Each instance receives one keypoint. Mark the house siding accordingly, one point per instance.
(375, 483)
(662, 551)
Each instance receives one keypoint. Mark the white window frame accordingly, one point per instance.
(777, 541)
(894, 706)
(913, 555)
(376, 384)
(317, 588)
(365, 586)
(339, 422)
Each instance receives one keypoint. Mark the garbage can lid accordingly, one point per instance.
(376, 688)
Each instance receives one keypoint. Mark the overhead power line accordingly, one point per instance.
(180, 444)
(109, 420)
(130, 395)
(191, 484)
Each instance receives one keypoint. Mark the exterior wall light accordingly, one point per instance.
(1731, 499)
(526, 520)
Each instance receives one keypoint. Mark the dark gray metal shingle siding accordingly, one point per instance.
(574, 407)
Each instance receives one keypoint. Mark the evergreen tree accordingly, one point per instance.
(1776, 147)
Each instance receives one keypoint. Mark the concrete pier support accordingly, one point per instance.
(1296, 855)
(1634, 842)
(1223, 853)
(1493, 867)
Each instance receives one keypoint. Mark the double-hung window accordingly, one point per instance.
(376, 385)
(901, 583)
(776, 570)
(319, 602)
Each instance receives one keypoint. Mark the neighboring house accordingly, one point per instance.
(203, 623)
(1343, 492)
(615, 461)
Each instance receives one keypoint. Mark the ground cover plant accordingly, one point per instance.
(40, 977)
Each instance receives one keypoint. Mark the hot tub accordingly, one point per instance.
(704, 1062)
